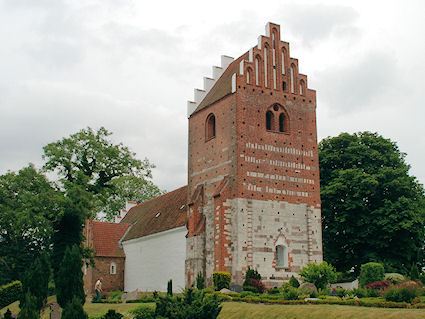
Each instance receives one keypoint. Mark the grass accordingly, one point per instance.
(235, 310)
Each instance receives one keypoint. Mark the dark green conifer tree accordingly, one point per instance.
(74, 310)
(29, 310)
(69, 281)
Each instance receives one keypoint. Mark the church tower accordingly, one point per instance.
(253, 175)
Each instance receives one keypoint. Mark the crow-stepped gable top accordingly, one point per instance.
(267, 65)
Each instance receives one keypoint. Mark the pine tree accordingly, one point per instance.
(200, 281)
(36, 281)
(74, 310)
(29, 310)
(69, 282)
(170, 287)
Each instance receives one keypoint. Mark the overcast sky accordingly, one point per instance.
(130, 66)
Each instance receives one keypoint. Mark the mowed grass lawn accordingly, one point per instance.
(235, 310)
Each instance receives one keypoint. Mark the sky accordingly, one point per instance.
(131, 66)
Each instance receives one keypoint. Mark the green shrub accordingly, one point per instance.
(294, 282)
(115, 295)
(289, 292)
(371, 272)
(401, 294)
(324, 292)
(193, 304)
(308, 289)
(143, 312)
(394, 277)
(273, 291)
(200, 281)
(360, 292)
(252, 281)
(112, 314)
(318, 274)
(10, 293)
(170, 287)
(221, 279)
(74, 310)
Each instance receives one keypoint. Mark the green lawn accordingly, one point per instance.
(234, 310)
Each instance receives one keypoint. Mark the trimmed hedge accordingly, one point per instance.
(10, 293)
(371, 272)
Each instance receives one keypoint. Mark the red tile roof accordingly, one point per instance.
(106, 237)
(159, 214)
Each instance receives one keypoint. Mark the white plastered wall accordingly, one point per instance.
(154, 259)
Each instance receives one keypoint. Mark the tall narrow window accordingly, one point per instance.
(302, 87)
(257, 71)
(269, 121)
(283, 61)
(292, 79)
(265, 68)
(113, 268)
(210, 126)
(281, 256)
(248, 77)
(281, 122)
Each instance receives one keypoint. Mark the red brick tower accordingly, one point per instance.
(253, 183)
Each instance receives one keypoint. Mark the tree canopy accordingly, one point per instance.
(28, 206)
(372, 209)
(108, 171)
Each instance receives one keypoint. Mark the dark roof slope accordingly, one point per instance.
(161, 213)
(223, 86)
(106, 237)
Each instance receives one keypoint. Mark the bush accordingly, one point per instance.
(10, 293)
(74, 310)
(143, 312)
(308, 289)
(394, 277)
(318, 274)
(200, 281)
(294, 282)
(253, 281)
(273, 291)
(402, 293)
(289, 292)
(379, 285)
(29, 310)
(112, 314)
(371, 272)
(193, 304)
(221, 279)
(115, 295)
(360, 292)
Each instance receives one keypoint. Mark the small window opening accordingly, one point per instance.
(113, 268)
(281, 256)
(210, 126)
(284, 86)
(269, 120)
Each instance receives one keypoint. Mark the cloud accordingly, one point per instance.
(355, 86)
(313, 23)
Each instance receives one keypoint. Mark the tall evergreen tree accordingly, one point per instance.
(36, 281)
(74, 310)
(69, 280)
(29, 311)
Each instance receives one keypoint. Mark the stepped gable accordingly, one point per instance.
(106, 238)
(261, 66)
(156, 215)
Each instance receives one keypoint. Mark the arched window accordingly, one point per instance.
(257, 71)
(113, 268)
(292, 78)
(269, 121)
(302, 87)
(210, 127)
(266, 84)
(281, 256)
(248, 76)
(282, 122)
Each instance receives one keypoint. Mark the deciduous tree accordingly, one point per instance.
(109, 172)
(372, 209)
